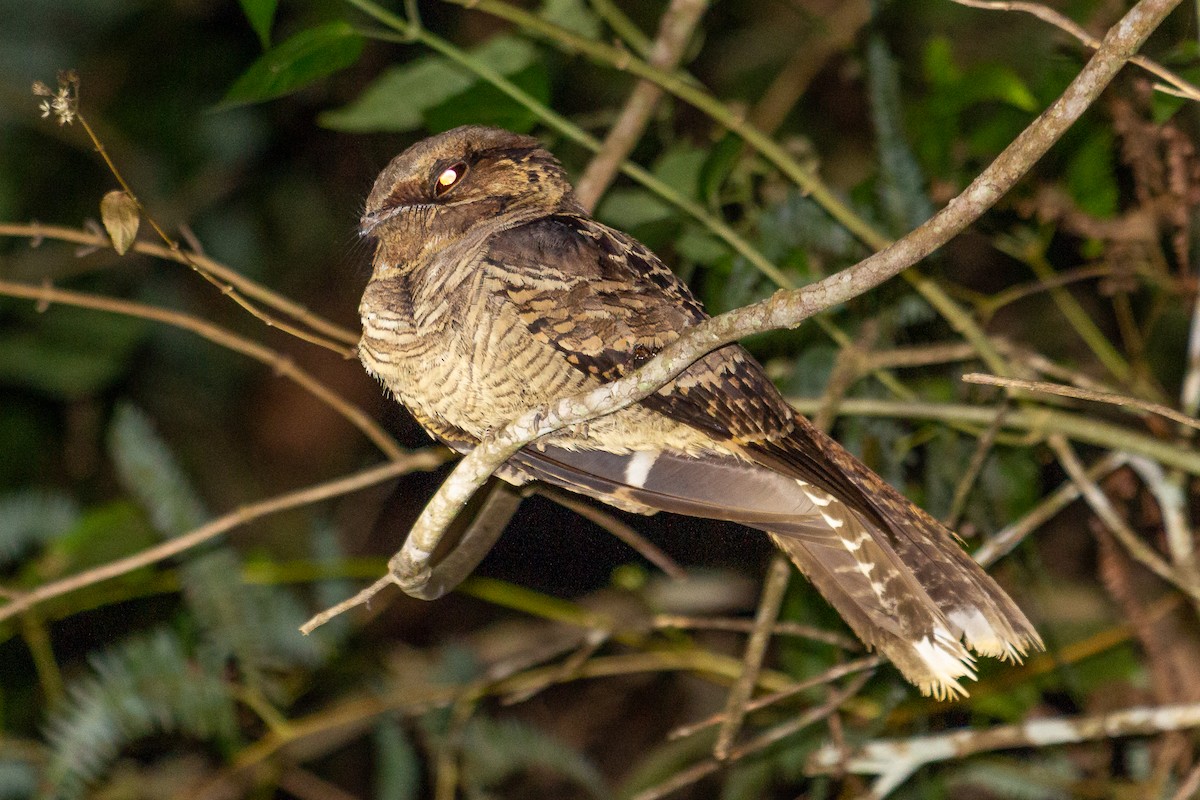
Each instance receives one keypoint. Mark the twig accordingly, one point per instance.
(644, 547)
(828, 676)
(1111, 398)
(1178, 86)
(752, 657)
(982, 447)
(35, 231)
(894, 760)
(173, 245)
(1189, 395)
(631, 35)
(1100, 504)
(1005, 540)
(674, 32)
(709, 766)
(1038, 422)
(417, 460)
(305, 785)
(409, 568)
(796, 629)
(1172, 503)
(46, 294)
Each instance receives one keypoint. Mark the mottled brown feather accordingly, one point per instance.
(500, 293)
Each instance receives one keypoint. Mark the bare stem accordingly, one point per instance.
(1112, 398)
(36, 231)
(20, 602)
(894, 760)
(45, 295)
(226, 289)
(674, 31)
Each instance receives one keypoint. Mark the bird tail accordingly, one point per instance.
(920, 600)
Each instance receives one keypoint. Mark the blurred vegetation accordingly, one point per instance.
(253, 133)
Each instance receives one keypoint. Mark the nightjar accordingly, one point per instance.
(493, 291)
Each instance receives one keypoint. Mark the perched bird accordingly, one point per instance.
(493, 291)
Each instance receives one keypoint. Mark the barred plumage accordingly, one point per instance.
(494, 292)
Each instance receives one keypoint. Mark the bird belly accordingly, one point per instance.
(480, 371)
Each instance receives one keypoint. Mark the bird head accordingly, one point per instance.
(444, 186)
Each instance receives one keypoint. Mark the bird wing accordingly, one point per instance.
(608, 304)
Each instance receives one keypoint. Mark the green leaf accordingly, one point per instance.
(1091, 175)
(996, 82)
(574, 15)
(484, 104)
(680, 168)
(397, 99)
(721, 160)
(401, 96)
(397, 766)
(30, 518)
(938, 63)
(629, 208)
(260, 13)
(101, 535)
(301, 60)
(69, 353)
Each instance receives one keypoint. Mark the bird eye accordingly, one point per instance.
(448, 178)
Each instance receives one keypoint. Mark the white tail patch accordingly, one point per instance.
(947, 661)
(639, 466)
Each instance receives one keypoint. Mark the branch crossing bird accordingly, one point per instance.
(493, 291)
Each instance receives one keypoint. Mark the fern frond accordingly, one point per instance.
(144, 685)
(497, 749)
(148, 471)
(257, 626)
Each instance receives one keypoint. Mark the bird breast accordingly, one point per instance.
(461, 355)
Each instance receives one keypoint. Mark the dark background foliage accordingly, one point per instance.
(116, 432)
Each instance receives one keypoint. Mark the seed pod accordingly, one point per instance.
(119, 214)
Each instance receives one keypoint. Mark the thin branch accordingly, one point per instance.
(173, 245)
(674, 32)
(410, 569)
(1039, 423)
(983, 446)
(1005, 540)
(796, 629)
(894, 760)
(46, 295)
(769, 604)
(828, 676)
(1178, 86)
(643, 546)
(1111, 398)
(417, 460)
(1103, 508)
(707, 767)
(35, 231)
(1172, 500)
